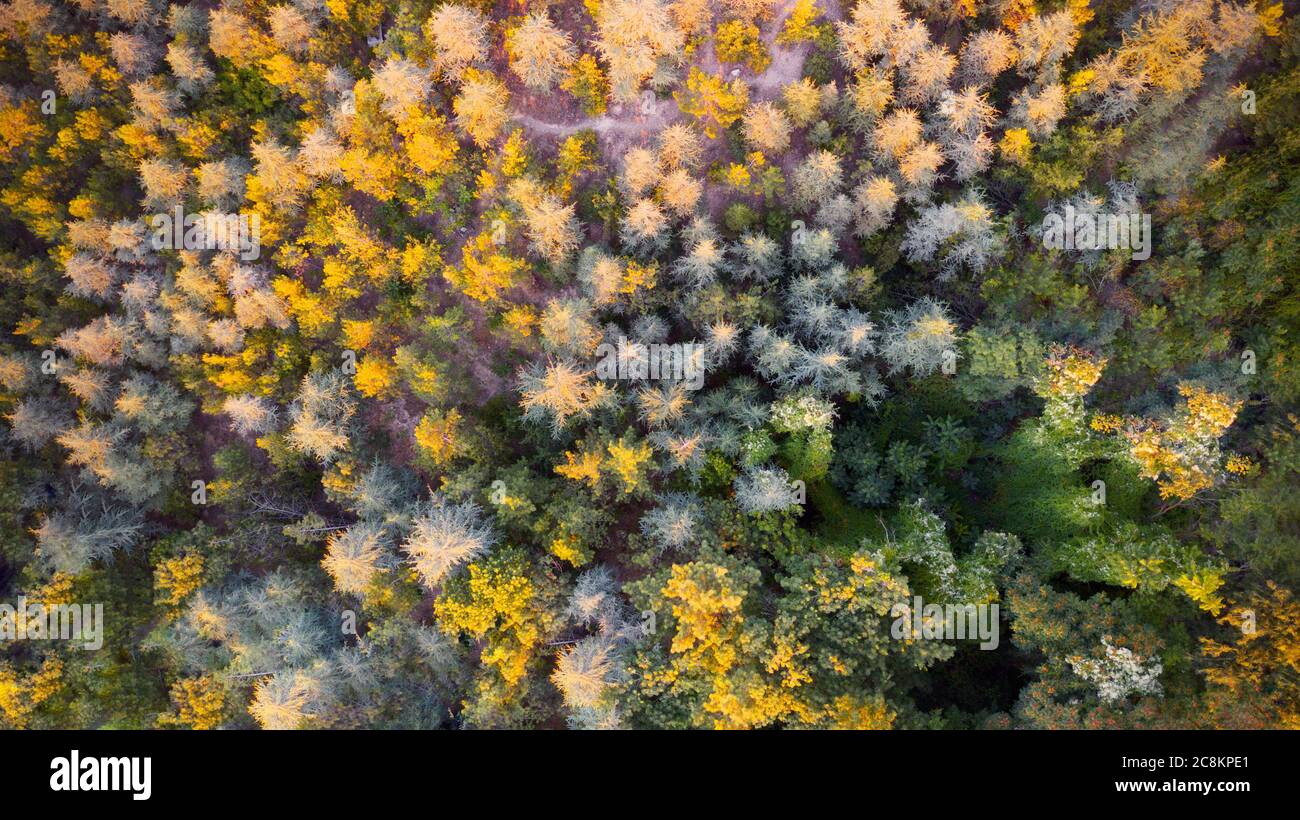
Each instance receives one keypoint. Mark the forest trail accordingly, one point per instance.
(787, 61)
(665, 111)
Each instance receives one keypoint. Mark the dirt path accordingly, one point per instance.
(665, 111)
(787, 62)
(624, 128)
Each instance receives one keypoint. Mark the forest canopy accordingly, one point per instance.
(650, 363)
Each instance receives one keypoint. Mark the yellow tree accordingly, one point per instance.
(460, 38)
(199, 702)
(706, 606)
(560, 392)
(539, 52)
(175, 579)
(1262, 662)
(737, 41)
(632, 36)
(439, 436)
(481, 107)
(486, 270)
(767, 128)
(496, 602)
(714, 103)
(1181, 454)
